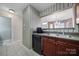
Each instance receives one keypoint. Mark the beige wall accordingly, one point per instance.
(16, 22)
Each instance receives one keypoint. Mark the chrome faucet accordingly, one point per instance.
(63, 33)
(57, 33)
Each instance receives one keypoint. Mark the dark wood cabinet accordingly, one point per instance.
(48, 46)
(53, 46)
(60, 50)
(65, 49)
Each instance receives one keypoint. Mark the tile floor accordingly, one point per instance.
(16, 50)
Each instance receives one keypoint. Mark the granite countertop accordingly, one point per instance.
(59, 36)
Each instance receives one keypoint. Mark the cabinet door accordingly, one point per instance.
(72, 47)
(72, 50)
(66, 49)
(60, 49)
(48, 47)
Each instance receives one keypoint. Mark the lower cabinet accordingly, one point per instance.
(59, 47)
(53, 46)
(48, 46)
(60, 50)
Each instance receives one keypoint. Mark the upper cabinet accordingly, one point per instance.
(77, 13)
(55, 8)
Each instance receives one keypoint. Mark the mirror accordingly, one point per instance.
(5, 28)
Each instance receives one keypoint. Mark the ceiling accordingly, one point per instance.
(18, 7)
(41, 6)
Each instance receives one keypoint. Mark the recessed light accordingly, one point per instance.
(11, 10)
